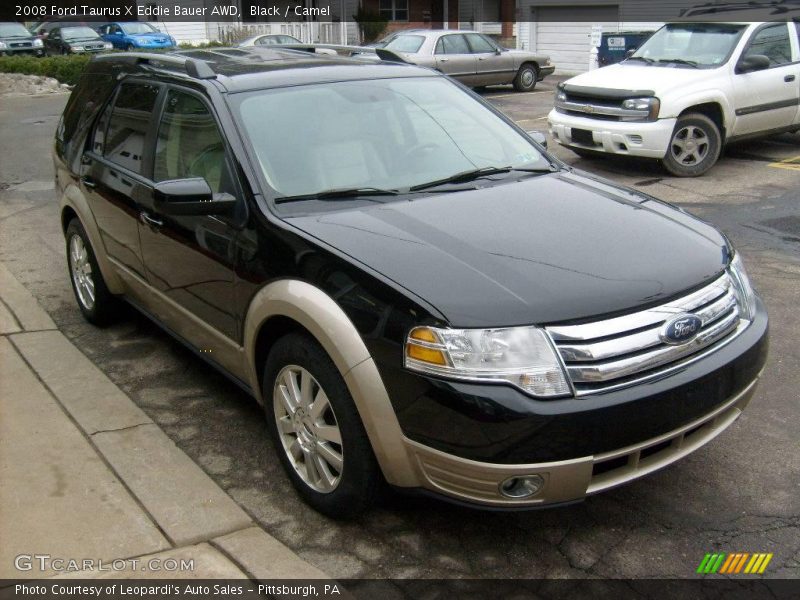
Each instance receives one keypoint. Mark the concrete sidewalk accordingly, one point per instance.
(85, 475)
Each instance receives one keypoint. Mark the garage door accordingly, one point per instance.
(564, 33)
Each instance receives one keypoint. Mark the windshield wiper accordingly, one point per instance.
(649, 61)
(473, 174)
(678, 61)
(338, 193)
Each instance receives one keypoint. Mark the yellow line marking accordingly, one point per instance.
(765, 563)
(753, 564)
(792, 164)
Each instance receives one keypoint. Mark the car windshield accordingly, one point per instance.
(405, 43)
(13, 30)
(78, 33)
(385, 134)
(136, 28)
(690, 44)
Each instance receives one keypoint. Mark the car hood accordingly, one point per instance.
(631, 76)
(548, 249)
(17, 39)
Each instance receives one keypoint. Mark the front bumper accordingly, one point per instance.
(648, 139)
(17, 51)
(545, 71)
(568, 481)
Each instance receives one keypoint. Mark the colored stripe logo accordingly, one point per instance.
(734, 563)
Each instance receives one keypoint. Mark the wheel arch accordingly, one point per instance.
(74, 206)
(293, 305)
(713, 110)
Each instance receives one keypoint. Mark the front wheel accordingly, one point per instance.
(526, 78)
(694, 147)
(316, 429)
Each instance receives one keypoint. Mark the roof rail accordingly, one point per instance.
(199, 69)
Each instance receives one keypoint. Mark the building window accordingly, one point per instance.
(394, 10)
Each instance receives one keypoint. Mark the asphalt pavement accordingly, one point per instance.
(739, 493)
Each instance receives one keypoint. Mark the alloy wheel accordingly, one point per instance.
(308, 429)
(81, 269)
(690, 145)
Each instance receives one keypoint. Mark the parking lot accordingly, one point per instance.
(739, 493)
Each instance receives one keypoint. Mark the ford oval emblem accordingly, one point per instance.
(681, 329)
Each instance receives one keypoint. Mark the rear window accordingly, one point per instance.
(406, 43)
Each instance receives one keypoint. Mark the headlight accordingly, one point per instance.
(37, 43)
(76, 48)
(743, 288)
(521, 356)
(649, 107)
(108, 45)
(561, 96)
(2, 45)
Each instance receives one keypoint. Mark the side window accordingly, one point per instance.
(479, 44)
(772, 42)
(55, 34)
(190, 145)
(128, 125)
(454, 44)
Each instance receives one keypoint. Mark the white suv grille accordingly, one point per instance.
(623, 350)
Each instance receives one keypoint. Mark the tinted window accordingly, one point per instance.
(772, 42)
(479, 43)
(92, 91)
(190, 145)
(127, 127)
(452, 44)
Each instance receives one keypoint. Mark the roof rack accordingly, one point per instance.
(199, 69)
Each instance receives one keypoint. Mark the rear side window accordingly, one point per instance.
(92, 91)
(772, 42)
(190, 145)
(124, 140)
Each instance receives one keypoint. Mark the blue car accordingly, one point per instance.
(130, 36)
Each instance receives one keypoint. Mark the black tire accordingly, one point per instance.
(130, 48)
(694, 147)
(104, 308)
(526, 78)
(360, 479)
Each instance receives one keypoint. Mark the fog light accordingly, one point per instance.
(521, 487)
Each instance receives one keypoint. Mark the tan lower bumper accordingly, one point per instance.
(574, 479)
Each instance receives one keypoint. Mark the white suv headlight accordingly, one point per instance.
(521, 356)
(743, 288)
(37, 43)
(648, 107)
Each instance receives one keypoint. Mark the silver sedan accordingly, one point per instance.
(471, 57)
(279, 39)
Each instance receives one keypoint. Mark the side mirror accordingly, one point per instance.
(754, 62)
(117, 33)
(190, 197)
(539, 137)
(498, 51)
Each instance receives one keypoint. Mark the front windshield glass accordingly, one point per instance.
(137, 28)
(405, 43)
(389, 134)
(13, 30)
(698, 44)
(78, 33)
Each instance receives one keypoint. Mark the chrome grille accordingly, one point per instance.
(622, 350)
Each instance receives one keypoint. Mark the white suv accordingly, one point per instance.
(688, 90)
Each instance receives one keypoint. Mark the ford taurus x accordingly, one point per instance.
(414, 290)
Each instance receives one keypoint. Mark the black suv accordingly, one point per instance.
(412, 287)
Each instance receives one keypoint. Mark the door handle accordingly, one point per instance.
(88, 182)
(443, 59)
(481, 58)
(788, 78)
(148, 220)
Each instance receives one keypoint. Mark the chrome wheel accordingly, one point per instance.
(81, 269)
(690, 145)
(308, 429)
(527, 77)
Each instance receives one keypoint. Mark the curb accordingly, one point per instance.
(181, 500)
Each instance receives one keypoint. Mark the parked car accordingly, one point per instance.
(134, 35)
(617, 46)
(381, 43)
(42, 29)
(276, 39)
(685, 93)
(15, 39)
(472, 58)
(413, 289)
(74, 40)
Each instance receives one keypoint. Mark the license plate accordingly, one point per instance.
(582, 136)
